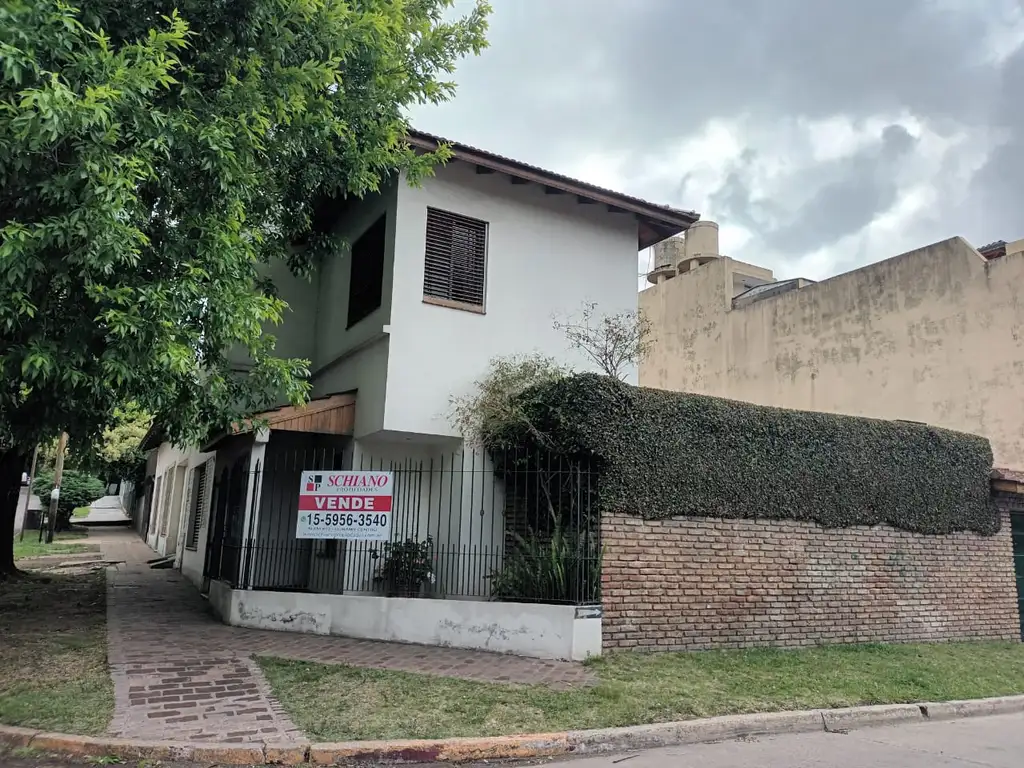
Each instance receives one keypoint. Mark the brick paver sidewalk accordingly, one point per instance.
(180, 674)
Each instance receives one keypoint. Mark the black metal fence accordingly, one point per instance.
(515, 527)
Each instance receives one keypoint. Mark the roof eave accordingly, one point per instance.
(153, 438)
(656, 222)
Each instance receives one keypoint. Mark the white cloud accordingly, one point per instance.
(819, 135)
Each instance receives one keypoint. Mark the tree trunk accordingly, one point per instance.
(12, 464)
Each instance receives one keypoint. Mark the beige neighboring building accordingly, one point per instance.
(934, 335)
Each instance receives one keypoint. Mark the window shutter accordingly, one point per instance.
(165, 507)
(155, 505)
(199, 475)
(456, 258)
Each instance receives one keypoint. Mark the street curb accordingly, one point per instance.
(510, 747)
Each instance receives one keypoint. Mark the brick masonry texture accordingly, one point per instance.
(179, 674)
(702, 583)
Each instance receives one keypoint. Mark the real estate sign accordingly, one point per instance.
(345, 505)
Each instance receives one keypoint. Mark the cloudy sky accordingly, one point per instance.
(821, 134)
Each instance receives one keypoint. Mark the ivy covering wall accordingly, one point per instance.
(662, 454)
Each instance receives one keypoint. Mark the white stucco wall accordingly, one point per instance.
(295, 334)
(539, 631)
(447, 493)
(167, 458)
(191, 561)
(355, 358)
(171, 460)
(546, 255)
(364, 370)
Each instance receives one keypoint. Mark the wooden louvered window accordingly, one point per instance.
(455, 272)
(196, 506)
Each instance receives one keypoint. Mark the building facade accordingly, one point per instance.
(434, 282)
(935, 335)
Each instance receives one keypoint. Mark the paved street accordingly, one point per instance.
(984, 742)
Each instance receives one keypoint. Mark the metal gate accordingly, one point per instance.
(1017, 534)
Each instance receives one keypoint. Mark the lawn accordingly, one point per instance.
(80, 512)
(337, 703)
(53, 654)
(63, 544)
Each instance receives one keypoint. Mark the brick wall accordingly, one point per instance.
(700, 583)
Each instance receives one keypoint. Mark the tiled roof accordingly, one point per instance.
(537, 169)
(993, 250)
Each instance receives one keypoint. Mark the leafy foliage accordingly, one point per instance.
(613, 342)
(115, 455)
(662, 454)
(407, 566)
(153, 155)
(496, 398)
(77, 489)
(118, 453)
(560, 566)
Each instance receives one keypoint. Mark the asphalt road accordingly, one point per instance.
(983, 742)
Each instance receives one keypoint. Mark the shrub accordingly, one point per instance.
(563, 566)
(495, 399)
(662, 454)
(407, 566)
(77, 489)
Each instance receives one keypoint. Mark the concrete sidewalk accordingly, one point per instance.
(105, 511)
(179, 674)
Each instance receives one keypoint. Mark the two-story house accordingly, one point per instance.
(437, 280)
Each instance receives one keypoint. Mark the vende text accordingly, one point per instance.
(361, 503)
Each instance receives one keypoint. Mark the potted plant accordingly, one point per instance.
(408, 566)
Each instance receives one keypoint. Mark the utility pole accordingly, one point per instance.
(58, 472)
(28, 494)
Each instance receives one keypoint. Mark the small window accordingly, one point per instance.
(196, 506)
(366, 278)
(456, 258)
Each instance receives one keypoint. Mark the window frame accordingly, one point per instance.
(449, 303)
(197, 504)
(382, 221)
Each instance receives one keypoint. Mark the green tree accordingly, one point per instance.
(77, 489)
(153, 155)
(117, 453)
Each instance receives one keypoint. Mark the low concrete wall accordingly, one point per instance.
(523, 629)
(220, 598)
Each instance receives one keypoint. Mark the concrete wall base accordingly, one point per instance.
(523, 629)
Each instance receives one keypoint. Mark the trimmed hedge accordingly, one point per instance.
(662, 454)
